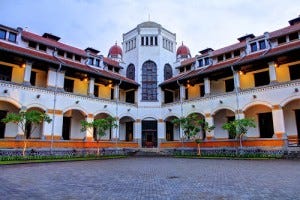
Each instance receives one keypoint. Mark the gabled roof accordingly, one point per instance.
(229, 48)
(68, 63)
(284, 31)
(46, 41)
(238, 61)
(187, 61)
(111, 62)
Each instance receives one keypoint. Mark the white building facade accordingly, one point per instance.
(149, 82)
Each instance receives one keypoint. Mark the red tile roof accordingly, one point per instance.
(72, 64)
(37, 38)
(188, 61)
(236, 61)
(229, 48)
(111, 62)
(284, 31)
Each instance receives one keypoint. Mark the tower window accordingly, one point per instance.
(253, 47)
(2, 34)
(262, 44)
(281, 40)
(12, 37)
(142, 41)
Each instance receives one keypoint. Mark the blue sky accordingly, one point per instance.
(100, 23)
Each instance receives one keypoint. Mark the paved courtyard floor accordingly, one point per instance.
(153, 178)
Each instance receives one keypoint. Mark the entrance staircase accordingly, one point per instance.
(151, 152)
(293, 152)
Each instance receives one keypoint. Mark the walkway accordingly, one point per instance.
(153, 178)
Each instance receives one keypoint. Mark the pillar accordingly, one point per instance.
(239, 114)
(55, 79)
(89, 131)
(210, 120)
(236, 79)
(272, 72)
(161, 130)
(56, 124)
(278, 121)
(182, 92)
(116, 92)
(207, 86)
(137, 136)
(115, 131)
(91, 87)
(27, 73)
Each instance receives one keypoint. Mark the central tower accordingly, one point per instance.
(148, 50)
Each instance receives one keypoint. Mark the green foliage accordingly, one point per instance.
(22, 118)
(100, 125)
(239, 127)
(192, 125)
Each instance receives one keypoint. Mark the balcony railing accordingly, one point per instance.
(8, 84)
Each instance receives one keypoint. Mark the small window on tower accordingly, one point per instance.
(156, 41)
(142, 43)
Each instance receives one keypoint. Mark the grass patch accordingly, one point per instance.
(230, 157)
(47, 159)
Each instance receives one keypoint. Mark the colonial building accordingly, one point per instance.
(147, 83)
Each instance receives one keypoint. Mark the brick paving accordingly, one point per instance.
(153, 178)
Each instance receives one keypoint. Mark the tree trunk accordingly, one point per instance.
(199, 150)
(24, 148)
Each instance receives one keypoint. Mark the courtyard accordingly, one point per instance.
(153, 178)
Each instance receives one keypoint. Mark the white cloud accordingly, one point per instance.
(199, 23)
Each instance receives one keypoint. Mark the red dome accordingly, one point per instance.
(183, 51)
(115, 50)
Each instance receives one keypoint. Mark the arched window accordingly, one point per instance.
(168, 71)
(149, 81)
(130, 73)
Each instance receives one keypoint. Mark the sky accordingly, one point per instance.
(197, 23)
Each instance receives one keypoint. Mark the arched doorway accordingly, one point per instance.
(291, 112)
(200, 116)
(149, 132)
(263, 118)
(10, 129)
(172, 131)
(71, 125)
(220, 117)
(31, 131)
(108, 135)
(126, 128)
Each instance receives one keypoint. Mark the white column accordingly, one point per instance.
(137, 135)
(278, 121)
(272, 72)
(53, 81)
(182, 92)
(239, 114)
(207, 86)
(161, 131)
(210, 120)
(236, 79)
(91, 87)
(90, 131)
(27, 73)
(116, 92)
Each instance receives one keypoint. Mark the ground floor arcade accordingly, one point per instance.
(279, 121)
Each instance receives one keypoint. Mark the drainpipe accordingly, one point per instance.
(236, 91)
(117, 112)
(54, 100)
(181, 110)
